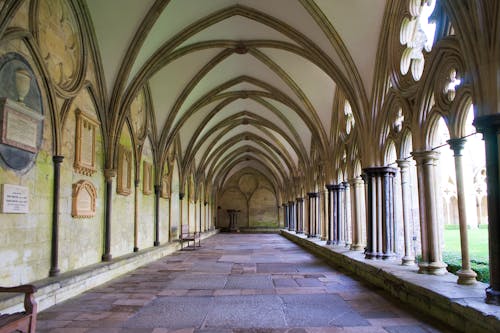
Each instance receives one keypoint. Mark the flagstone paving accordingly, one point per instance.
(235, 283)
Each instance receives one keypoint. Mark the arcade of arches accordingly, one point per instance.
(126, 121)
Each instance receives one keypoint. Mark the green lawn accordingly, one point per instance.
(478, 250)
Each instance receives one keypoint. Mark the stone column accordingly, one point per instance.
(285, 216)
(330, 214)
(317, 219)
(347, 213)
(357, 185)
(54, 249)
(109, 174)
(432, 261)
(157, 215)
(409, 257)
(380, 224)
(293, 221)
(489, 126)
(311, 216)
(136, 214)
(465, 275)
(233, 219)
(300, 216)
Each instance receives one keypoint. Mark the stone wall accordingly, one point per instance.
(253, 194)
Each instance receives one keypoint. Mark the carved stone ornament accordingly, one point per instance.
(85, 144)
(60, 41)
(84, 199)
(124, 175)
(147, 177)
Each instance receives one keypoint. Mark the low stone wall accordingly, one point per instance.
(461, 307)
(57, 289)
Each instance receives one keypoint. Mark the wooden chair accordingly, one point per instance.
(24, 321)
(187, 236)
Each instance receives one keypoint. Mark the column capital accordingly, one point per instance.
(284, 204)
(57, 159)
(312, 194)
(356, 181)
(403, 163)
(488, 123)
(425, 157)
(291, 202)
(346, 185)
(299, 199)
(379, 170)
(205, 203)
(338, 187)
(457, 145)
(330, 187)
(181, 195)
(157, 189)
(109, 174)
(136, 182)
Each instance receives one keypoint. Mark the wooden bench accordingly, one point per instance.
(24, 321)
(187, 236)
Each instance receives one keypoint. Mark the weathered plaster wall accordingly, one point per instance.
(252, 194)
(146, 202)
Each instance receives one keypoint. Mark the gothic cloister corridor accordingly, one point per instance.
(235, 283)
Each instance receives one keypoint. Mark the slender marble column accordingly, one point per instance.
(489, 126)
(54, 250)
(157, 215)
(109, 174)
(329, 228)
(300, 215)
(408, 258)
(347, 213)
(358, 189)
(432, 261)
(293, 222)
(317, 209)
(136, 215)
(380, 226)
(311, 216)
(340, 215)
(285, 216)
(465, 275)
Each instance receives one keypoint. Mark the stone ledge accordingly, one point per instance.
(54, 290)
(461, 307)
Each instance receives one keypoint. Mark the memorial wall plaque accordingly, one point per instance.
(147, 187)
(85, 144)
(19, 125)
(124, 174)
(84, 199)
(15, 199)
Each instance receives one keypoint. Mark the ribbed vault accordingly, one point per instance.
(239, 84)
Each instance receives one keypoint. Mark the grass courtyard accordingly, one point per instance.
(478, 250)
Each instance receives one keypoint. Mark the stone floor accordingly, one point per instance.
(235, 283)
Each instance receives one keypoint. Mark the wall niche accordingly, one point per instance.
(84, 199)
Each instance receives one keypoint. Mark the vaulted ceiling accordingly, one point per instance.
(240, 83)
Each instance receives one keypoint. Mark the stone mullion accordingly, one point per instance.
(292, 217)
(300, 216)
(311, 212)
(389, 233)
(317, 208)
(330, 214)
(370, 252)
(340, 215)
(408, 258)
(285, 216)
(432, 262)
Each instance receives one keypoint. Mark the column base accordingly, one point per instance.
(387, 256)
(466, 277)
(357, 247)
(156, 243)
(328, 242)
(408, 261)
(299, 232)
(492, 296)
(371, 255)
(54, 272)
(107, 257)
(136, 249)
(432, 268)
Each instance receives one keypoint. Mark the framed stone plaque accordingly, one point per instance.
(15, 199)
(124, 174)
(165, 187)
(147, 177)
(84, 199)
(19, 125)
(85, 144)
